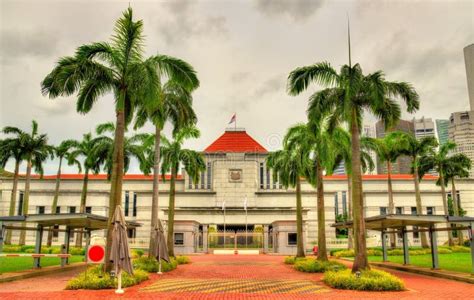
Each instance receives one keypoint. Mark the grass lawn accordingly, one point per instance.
(12, 264)
(460, 262)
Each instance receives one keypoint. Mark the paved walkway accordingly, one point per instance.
(236, 277)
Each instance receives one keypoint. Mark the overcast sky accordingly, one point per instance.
(242, 51)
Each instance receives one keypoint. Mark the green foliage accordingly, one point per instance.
(136, 253)
(311, 265)
(444, 251)
(290, 260)
(467, 243)
(182, 260)
(395, 252)
(460, 249)
(344, 253)
(76, 251)
(150, 264)
(370, 280)
(95, 279)
(11, 249)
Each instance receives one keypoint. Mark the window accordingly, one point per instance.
(261, 175)
(383, 210)
(399, 210)
(430, 210)
(179, 238)
(209, 170)
(416, 234)
(72, 209)
(40, 210)
(268, 178)
(127, 203)
(55, 233)
(58, 209)
(202, 180)
(336, 205)
(134, 212)
(413, 210)
(344, 203)
(131, 233)
(20, 203)
(88, 209)
(292, 238)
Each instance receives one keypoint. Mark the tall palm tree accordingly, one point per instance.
(290, 165)
(348, 95)
(173, 155)
(62, 151)
(314, 138)
(388, 150)
(117, 67)
(415, 149)
(35, 150)
(93, 151)
(11, 148)
(174, 103)
(458, 166)
(441, 162)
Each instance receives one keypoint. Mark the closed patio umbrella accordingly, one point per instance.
(120, 252)
(159, 249)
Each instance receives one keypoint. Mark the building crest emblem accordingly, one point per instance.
(235, 175)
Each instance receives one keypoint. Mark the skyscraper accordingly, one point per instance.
(469, 62)
(442, 131)
(403, 163)
(424, 127)
(461, 131)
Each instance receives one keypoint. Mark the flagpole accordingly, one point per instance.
(235, 123)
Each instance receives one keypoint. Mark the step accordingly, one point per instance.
(236, 252)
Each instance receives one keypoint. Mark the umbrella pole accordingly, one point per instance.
(159, 263)
(119, 289)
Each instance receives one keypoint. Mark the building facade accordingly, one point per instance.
(469, 62)
(424, 127)
(236, 192)
(442, 131)
(461, 131)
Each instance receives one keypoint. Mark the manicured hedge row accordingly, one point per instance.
(370, 280)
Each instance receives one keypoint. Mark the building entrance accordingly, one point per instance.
(236, 237)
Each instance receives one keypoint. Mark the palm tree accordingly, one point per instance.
(388, 150)
(314, 138)
(289, 165)
(348, 95)
(62, 151)
(35, 150)
(174, 103)
(441, 162)
(173, 155)
(457, 166)
(415, 149)
(118, 67)
(12, 148)
(93, 152)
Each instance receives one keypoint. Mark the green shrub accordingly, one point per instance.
(136, 253)
(345, 253)
(290, 260)
(182, 260)
(76, 251)
(56, 250)
(395, 252)
(374, 252)
(444, 251)
(169, 266)
(467, 243)
(370, 280)
(26, 247)
(95, 279)
(11, 249)
(311, 265)
(29, 250)
(333, 251)
(150, 264)
(460, 249)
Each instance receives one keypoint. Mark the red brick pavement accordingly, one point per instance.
(263, 267)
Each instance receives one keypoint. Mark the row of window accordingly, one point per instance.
(264, 178)
(70, 209)
(399, 210)
(127, 211)
(205, 179)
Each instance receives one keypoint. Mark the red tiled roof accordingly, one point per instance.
(382, 177)
(104, 177)
(235, 142)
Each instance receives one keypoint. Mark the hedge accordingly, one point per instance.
(369, 280)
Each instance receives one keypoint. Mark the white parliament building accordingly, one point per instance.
(235, 198)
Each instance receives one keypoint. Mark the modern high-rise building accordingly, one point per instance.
(469, 62)
(461, 131)
(442, 131)
(424, 127)
(403, 163)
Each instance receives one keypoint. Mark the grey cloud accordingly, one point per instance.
(270, 86)
(37, 43)
(239, 77)
(295, 9)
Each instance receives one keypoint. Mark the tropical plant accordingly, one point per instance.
(415, 149)
(443, 164)
(173, 155)
(94, 152)
(11, 148)
(289, 166)
(62, 151)
(118, 67)
(35, 150)
(348, 95)
(174, 103)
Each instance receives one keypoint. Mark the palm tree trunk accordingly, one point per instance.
(360, 260)
(419, 210)
(391, 204)
(454, 197)
(299, 221)
(322, 251)
(26, 201)
(156, 181)
(82, 208)
(11, 212)
(349, 204)
(174, 171)
(55, 200)
(445, 205)
(116, 178)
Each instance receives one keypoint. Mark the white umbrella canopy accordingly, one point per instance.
(120, 251)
